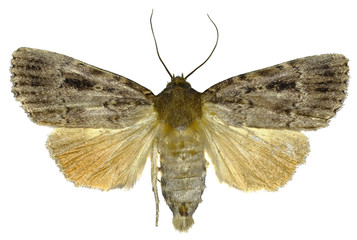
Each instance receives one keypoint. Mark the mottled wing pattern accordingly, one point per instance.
(106, 122)
(251, 159)
(59, 91)
(103, 158)
(301, 94)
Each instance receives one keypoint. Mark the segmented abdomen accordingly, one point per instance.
(183, 169)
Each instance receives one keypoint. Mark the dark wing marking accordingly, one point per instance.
(60, 91)
(300, 94)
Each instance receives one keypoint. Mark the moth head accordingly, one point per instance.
(179, 81)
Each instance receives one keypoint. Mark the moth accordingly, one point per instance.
(107, 126)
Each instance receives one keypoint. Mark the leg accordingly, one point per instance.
(154, 173)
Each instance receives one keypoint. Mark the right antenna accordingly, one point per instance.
(211, 52)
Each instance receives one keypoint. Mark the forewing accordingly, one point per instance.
(300, 94)
(251, 159)
(59, 91)
(103, 158)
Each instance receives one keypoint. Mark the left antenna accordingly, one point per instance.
(157, 49)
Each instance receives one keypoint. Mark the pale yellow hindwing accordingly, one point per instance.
(251, 159)
(103, 158)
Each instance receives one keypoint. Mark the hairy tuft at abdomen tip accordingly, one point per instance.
(182, 223)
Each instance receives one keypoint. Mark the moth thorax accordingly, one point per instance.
(178, 105)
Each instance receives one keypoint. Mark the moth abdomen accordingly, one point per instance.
(183, 170)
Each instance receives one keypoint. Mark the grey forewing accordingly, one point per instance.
(300, 94)
(60, 91)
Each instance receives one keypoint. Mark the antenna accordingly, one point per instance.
(157, 49)
(210, 53)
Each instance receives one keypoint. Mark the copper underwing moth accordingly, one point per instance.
(107, 126)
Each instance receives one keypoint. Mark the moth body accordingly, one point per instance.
(108, 126)
(182, 162)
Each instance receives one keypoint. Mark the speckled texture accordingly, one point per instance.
(301, 94)
(59, 91)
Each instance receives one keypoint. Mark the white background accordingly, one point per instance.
(38, 203)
